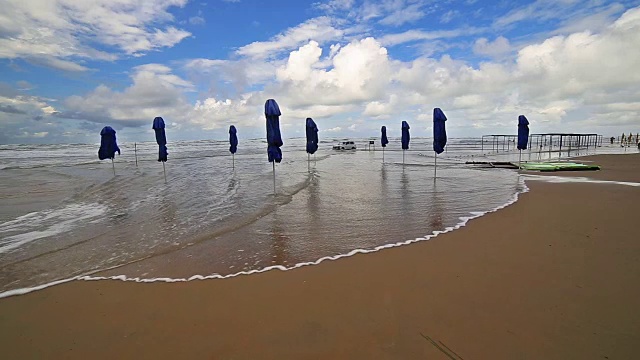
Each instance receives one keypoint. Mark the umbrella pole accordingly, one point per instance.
(233, 161)
(383, 155)
(519, 160)
(114, 167)
(309, 162)
(274, 177)
(135, 151)
(165, 173)
(402, 157)
(435, 166)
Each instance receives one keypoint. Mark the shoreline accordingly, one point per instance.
(478, 291)
(198, 277)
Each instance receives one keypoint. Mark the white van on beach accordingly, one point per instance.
(345, 145)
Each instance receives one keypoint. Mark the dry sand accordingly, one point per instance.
(554, 276)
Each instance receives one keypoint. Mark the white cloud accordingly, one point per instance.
(393, 12)
(56, 63)
(239, 74)
(593, 21)
(379, 109)
(155, 92)
(211, 113)
(448, 16)
(54, 32)
(415, 35)
(571, 82)
(15, 102)
(548, 80)
(197, 20)
(400, 16)
(22, 117)
(320, 29)
(500, 46)
(539, 10)
(551, 81)
(360, 71)
(314, 111)
(576, 14)
(334, 5)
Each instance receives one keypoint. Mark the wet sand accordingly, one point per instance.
(553, 276)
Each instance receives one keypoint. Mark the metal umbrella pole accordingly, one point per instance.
(435, 165)
(165, 172)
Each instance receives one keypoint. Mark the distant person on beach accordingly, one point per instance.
(612, 138)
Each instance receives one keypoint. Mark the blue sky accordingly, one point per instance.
(68, 68)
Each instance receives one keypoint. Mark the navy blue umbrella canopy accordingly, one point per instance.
(383, 139)
(274, 139)
(312, 136)
(161, 139)
(523, 132)
(108, 144)
(439, 131)
(233, 139)
(405, 135)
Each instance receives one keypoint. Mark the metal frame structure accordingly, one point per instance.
(549, 140)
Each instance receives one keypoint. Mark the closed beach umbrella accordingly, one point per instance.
(311, 130)
(108, 145)
(383, 140)
(523, 135)
(405, 138)
(161, 139)
(274, 139)
(439, 136)
(312, 136)
(405, 135)
(233, 142)
(523, 132)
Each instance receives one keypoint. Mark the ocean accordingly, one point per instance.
(63, 213)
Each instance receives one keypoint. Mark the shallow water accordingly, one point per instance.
(65, 214)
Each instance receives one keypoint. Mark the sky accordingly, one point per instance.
(70, 67)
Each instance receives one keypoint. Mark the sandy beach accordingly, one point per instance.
(553, 276)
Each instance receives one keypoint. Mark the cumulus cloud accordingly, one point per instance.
(496, 48)
(21, 117)
(378, 109)
(55, 32)
(320, 29)
(155, 91)
(550, 80)
(568, 82)
(212, 113)
(240, 74)
(360, 70)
